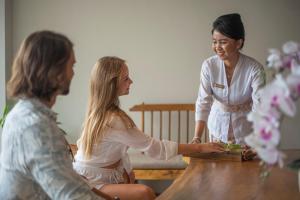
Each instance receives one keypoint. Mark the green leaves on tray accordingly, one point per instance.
(232, 147)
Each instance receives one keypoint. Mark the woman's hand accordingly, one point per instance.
(248, 153)
(196, 140)
(188, 149)
(211, 147)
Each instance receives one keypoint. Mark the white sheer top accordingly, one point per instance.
(215, 94)
(113, 147)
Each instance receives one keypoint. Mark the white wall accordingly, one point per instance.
(2, 57)
(5, 50)
(164, 43)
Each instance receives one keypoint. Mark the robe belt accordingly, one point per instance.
(244, 107)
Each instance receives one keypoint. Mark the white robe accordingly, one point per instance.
(247, 78)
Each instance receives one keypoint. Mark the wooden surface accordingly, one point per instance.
(157, 174)
(213, 179)
(225, 156)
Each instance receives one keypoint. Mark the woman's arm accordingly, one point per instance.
(258, 81)
(199, 128)
(203, 103)
(187, 149)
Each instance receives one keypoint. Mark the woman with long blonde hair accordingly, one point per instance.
(108, 132)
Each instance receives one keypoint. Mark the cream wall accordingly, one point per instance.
(164, 42)
(5, 49)
(2, 57)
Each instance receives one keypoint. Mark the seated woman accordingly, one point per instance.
(108, 132)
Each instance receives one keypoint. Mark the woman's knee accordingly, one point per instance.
(146, 192)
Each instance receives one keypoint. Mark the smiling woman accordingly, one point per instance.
(228, 84)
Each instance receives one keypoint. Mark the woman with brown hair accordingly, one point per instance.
(108, 132)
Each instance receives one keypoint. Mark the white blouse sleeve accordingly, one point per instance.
(258, 81)
(205, 99)
(136, 139)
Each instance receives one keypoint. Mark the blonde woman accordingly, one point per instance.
(108, 132)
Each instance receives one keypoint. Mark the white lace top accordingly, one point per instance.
(113, 147)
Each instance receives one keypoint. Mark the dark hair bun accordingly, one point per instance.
(230, 25)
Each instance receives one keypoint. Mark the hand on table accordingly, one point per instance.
(212, 147)
(248, 153)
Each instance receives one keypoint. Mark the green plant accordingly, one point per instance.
(5, 112)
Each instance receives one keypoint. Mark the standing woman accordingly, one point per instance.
(229, 84)
(108, 132)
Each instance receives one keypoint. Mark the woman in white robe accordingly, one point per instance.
(229, 84)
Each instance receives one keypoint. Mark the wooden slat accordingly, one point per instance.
(160, 125)
(179, 132)
(170, 121)
(151, 123)
(163, 107)
(187, 126)
(143, 121)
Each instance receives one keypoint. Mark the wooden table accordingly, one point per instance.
(215, 179)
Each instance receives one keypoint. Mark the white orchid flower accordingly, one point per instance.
(293, 79)
(270, 156)
(290, 47)
(277, 94)
(276, 98)
(253, 141)
(295, 68)
(269, 136)
(274, 60)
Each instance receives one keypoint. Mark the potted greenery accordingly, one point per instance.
(5, 112)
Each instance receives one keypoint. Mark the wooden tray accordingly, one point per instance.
(228, 156)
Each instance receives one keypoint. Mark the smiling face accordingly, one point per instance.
(124, 82)
(226, 48)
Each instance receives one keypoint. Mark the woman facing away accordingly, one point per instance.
(108, 132)
(229, 84)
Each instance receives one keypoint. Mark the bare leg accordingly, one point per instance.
(129, 191)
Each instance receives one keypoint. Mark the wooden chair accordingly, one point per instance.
(171, 119)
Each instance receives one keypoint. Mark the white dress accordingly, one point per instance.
(113, 147)
(224, 107)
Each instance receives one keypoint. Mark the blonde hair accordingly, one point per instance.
(103, 102)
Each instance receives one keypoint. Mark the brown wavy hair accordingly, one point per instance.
(39, 65)
(103, 102)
